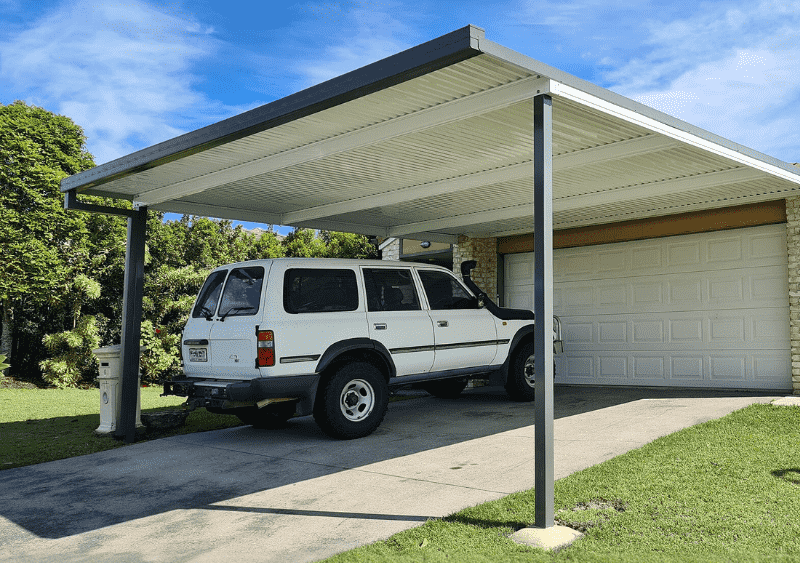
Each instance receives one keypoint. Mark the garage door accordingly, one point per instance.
(701, 310)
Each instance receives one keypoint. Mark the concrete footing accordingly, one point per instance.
(553, 538)
(790, 401)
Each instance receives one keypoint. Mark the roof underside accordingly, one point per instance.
(436, 150)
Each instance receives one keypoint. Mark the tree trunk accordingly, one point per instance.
(5, 333)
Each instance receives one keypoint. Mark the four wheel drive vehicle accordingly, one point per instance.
(268, 339)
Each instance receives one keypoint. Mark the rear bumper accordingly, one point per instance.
(232, 394)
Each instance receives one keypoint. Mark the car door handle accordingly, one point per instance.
(380, 326)
(442, 323)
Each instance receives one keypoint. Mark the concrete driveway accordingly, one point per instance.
(296, 495)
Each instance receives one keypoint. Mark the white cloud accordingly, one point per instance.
(731, 71)
(356, 35)
(121, 70)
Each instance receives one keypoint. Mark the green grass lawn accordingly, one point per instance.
(727, 490)
(38, 425)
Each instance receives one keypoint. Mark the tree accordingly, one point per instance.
(348, 245)
(41, 246)
(328, 244)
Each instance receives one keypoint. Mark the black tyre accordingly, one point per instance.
(272, 416)
(352, 402)
(520, 385)
(445, 388)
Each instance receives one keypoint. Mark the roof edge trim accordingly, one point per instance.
(728, 149)
(504, 53)
(445, 50)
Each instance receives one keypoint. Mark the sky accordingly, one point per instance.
(135, 73)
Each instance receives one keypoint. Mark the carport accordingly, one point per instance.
(457, 136)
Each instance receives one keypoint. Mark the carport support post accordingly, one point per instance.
(132, 324)
(543, 307)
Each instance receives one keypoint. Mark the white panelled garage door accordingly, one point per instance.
(701, 310)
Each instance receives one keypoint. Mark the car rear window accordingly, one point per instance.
(317, 290)
(242, 294)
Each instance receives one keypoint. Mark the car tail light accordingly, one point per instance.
(266, 348)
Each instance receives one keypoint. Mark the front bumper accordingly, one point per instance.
(224, 394)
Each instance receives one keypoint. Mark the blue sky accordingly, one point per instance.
(134, 73)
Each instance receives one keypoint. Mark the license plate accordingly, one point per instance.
(198, 355)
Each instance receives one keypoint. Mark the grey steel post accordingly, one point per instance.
(132, 324)
(543, 306)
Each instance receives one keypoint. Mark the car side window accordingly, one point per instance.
(317, 290)
(445, 292)
(207, 302)
(242, 294)
(390, 289)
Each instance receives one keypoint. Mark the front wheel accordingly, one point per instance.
(353, 402)
(520, 385)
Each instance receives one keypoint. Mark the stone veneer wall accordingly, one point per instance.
(793, 249)
(392, 250)
(484, 250)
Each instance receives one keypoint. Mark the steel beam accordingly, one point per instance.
(543, 307)
(132, 324)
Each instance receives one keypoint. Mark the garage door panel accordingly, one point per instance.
(725, 249)
(682, 254)
(683, 369)
(715, 290)
(768, 330)
(726, 330)
(702, 310)
(649, 367)
(747, 329)
(770, 368)
(685, 331)
(610, 366)
(764, 245)
(728, 368)
(743, 248)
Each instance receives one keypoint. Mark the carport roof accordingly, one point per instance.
(436, 141)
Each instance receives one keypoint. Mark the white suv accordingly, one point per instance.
(268, 339)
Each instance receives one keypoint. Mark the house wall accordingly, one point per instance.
(392, 250)
(484, 251)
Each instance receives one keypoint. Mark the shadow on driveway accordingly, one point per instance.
(72, 496)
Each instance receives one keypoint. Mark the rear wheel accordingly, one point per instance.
(445, 388)
(272, 416)
(520, 385)
(352, 402)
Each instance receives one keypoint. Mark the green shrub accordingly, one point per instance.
(72, 361)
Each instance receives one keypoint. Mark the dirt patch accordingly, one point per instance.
(586, 515)
(11, 383)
